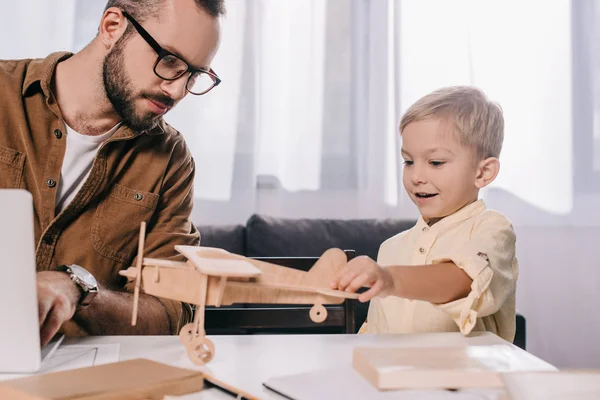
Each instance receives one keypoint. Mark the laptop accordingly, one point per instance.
(20, 350)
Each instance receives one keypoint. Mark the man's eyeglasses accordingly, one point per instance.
(170, 67)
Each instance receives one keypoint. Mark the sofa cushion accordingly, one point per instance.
(229, 237)
(282, 237)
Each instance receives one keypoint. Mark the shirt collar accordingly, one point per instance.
(125, 132)
(42, 71)
(468, 211)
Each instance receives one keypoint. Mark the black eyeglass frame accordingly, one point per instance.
(162, 53)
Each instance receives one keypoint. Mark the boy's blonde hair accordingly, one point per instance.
(478, 121)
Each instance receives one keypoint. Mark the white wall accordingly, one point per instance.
(559, 293)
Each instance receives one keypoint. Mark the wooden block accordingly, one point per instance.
(434, 368)
(128, 380)
(580, 385)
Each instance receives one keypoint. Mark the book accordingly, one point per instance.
(132, 379)
(435, 368)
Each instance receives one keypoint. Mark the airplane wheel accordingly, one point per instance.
(318, 313)
(201, 350)
(186, 333)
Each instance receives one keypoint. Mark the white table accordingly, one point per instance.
(248, 361)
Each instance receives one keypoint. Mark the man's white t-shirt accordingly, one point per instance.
(77, 164)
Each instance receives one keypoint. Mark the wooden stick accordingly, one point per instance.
(200, 307)
(222, 283)
(156, 274)
(138, 278)
(240, 393)
(155, 262)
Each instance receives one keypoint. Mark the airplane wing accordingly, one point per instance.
(218, 262)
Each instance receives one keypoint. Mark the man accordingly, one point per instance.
(84, 134)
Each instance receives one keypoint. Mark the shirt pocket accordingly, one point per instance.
(116, 223)
(11, 168)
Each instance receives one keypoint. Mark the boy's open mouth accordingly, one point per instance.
(425, 195)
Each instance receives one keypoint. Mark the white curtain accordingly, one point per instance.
(290, 91)
(265, 120)
(376, 111)
(305, 123)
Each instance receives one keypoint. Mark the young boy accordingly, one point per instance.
(456, 268)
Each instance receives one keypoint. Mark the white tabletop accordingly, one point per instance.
(248, 361)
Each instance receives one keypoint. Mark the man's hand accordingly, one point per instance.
(363, 271)
(58, 296)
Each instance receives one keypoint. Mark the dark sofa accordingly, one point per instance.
(279, 237)
(264, 236)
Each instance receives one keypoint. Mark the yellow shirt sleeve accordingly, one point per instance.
(488, 257)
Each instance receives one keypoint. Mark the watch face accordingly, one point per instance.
(84, 275)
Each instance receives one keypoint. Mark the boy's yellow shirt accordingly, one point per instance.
(479, 241)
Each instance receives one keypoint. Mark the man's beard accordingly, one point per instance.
(121, 93)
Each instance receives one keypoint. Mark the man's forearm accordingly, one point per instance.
(110, 313)
(436, 283)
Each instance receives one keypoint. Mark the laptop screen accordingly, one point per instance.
(19, 336)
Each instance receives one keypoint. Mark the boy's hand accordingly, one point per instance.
(362, 271)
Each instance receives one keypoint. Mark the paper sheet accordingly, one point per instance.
(74, 356)
(345, 383)
(80, 356)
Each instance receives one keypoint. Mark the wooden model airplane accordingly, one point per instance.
(215, 277)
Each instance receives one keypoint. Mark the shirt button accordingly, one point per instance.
(425, 229)
(50, 182)
(421, 250)
(58, 133)
(138, 196)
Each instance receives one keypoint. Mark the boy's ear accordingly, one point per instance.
(487, 171)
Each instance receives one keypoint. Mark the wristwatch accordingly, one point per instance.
(84, 280)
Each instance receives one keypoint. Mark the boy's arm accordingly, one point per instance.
(437, 283)
(488, 258)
